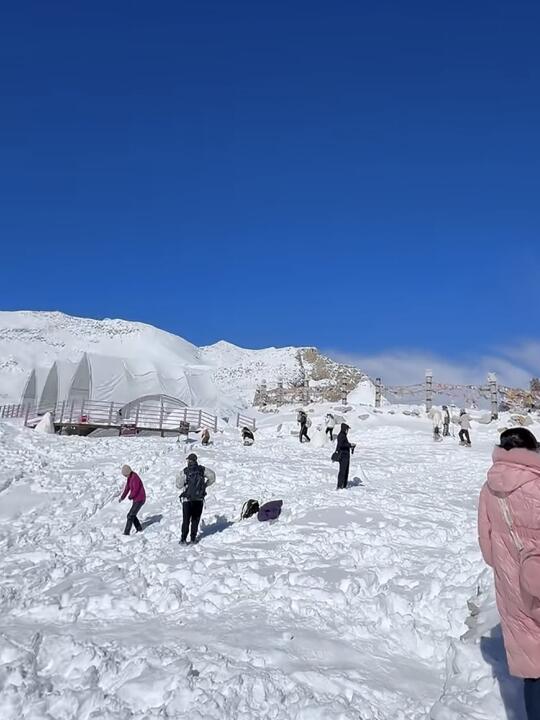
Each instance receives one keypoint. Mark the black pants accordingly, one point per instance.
(464, 436)
(343, 475)
(330, 431)
(132, 518)
(303, 433)
(192, 511)
(532, 698)
(446, 429)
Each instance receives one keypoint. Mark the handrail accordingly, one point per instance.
(109, 414)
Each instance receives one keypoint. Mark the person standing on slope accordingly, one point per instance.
(330, 424)
(446, 421)
(465, 425)
(303, 420)
(437, 419)
(509, 536)
(193, 481)
(343, 450)
(134, 486)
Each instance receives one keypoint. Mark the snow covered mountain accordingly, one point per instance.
(221, 375)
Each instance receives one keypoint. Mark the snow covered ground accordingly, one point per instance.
(350, 606)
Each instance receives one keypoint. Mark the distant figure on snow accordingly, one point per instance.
(508, 531)
(343, 450)
(302, 418)
(330, 424)
(247, 436)
(205, 436)
(134, 486)
(446, 421)
(437, 420)
(193, 481)
(465, 425)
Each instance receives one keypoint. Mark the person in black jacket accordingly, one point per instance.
(343, 449)
(193, 481)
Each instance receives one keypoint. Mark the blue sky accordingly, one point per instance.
(358, 176)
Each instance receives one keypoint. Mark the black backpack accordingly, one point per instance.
(249, 508)
(195, 485)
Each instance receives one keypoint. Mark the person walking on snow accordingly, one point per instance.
(134, 486)
(446, 421)
(193, 481)
(343, 450)
(303, 420)
(205, 436)
(330, 424)
(465, 425)
(509, 536)
(437, 419)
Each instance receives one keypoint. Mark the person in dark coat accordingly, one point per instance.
(343, 449)
(304, 424)
(446, 421)
(193, 481)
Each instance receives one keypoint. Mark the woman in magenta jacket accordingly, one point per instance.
(135, 488)
(509, 534)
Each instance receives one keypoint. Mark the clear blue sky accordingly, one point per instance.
(355, 175)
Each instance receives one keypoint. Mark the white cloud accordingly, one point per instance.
(514, 366)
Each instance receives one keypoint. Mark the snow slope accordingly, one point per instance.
(127, 360)
(221, 376)
(350, 606)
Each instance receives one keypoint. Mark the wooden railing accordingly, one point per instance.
(147, 416)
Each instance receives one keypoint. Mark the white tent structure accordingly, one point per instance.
(119, 380)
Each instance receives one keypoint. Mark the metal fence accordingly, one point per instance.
(146, 416)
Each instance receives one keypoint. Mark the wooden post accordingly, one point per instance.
(343, 395)
(137, 415)
(82, 411)
(378, 393)
(3, 410)
(62, 413)
(161, 417)
(111, 409)
(71, 412)
(494, 396)
(200, 418)
(26, 416)
(429, 390)
(263, 393)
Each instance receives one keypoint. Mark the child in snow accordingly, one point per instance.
(247, 436)
(205, 436)
(193, 481)
(343, 450)
(330, 424)
(509, 534)
(465, 425)
(134, 486)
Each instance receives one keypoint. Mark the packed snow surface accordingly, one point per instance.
(350, 606)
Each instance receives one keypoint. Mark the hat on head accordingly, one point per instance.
(126, 470)
(192, 457)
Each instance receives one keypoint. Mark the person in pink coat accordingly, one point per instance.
(135, 489)
(509, 535)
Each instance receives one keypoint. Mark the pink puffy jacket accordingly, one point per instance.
(515, 475)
